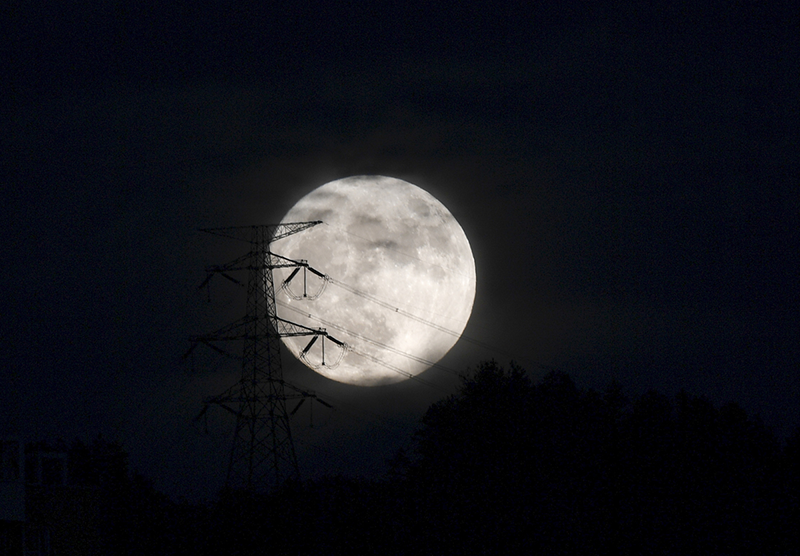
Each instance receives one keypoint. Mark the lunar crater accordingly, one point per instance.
(402, 270)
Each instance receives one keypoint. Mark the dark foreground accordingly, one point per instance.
(506, 465)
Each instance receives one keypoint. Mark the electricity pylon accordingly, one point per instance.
(263, 453)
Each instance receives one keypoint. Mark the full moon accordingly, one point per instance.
(390, 278)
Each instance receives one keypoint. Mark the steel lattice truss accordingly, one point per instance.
(263, 453)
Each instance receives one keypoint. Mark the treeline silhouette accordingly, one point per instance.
(506, 465)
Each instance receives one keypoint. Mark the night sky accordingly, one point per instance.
(627, 178)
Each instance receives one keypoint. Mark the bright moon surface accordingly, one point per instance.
(400, 286)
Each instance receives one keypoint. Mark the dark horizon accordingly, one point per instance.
(504, 464)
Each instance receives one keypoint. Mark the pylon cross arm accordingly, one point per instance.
(287, 328)
(254, 234)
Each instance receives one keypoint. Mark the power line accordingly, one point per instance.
(394, 308)
(371, 357)
(369, 340)
(426, 322)
(398, 370)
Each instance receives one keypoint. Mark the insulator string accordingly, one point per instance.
(342, 352)
(285, 286)
(330, 324)
(372, 358)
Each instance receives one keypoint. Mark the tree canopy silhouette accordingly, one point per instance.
(508, 464)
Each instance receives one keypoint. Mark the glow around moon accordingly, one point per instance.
(400, 280)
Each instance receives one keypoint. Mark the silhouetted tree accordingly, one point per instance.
(508, 465)
(505, 465)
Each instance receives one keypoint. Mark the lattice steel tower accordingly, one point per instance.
(263, 453)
